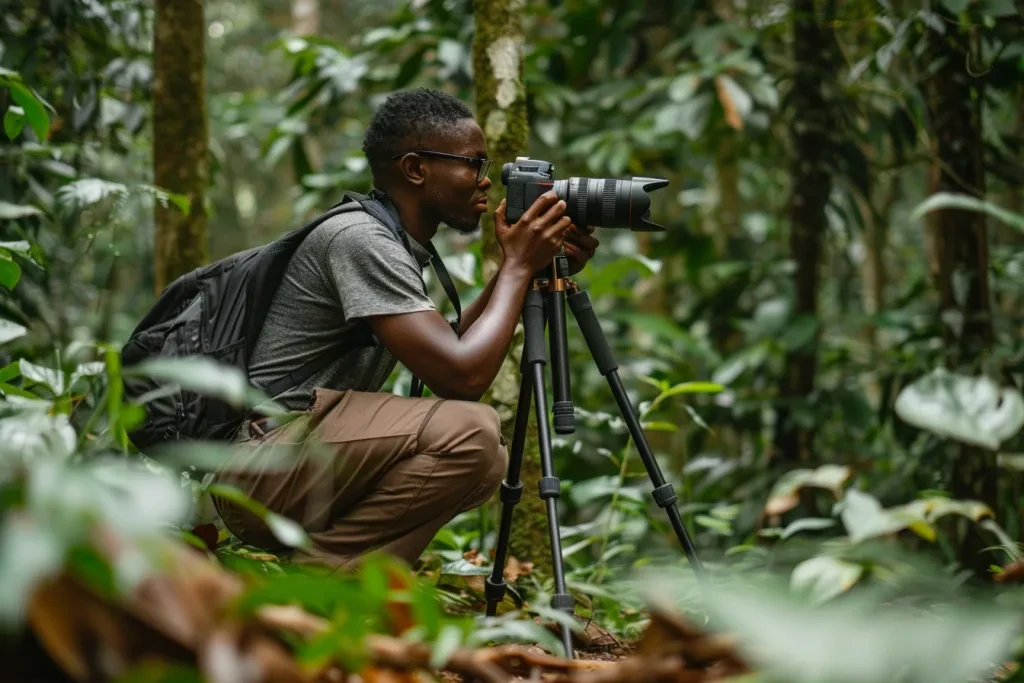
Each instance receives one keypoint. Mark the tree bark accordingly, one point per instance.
(306, 17)
(958, 245)
(501, 109)
(812, 128)
(180, 144)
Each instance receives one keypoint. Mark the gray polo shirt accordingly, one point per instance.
(349, 267)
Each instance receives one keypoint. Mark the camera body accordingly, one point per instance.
(597, 202)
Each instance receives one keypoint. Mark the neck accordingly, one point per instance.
(416, 222)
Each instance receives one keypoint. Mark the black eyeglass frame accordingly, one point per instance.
(482, 165)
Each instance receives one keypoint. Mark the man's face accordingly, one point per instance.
(451, 188)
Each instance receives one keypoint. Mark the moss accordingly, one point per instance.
(180, 145)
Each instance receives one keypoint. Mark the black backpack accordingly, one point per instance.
(217, 311)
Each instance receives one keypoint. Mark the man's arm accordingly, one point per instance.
(463, 367)
(473, 311)
(458, 367)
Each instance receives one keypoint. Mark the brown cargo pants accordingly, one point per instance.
(365, 472)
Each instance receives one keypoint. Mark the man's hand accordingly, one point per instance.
(534, 239)
(580, 246)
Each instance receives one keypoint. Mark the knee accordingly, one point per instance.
(483, 443)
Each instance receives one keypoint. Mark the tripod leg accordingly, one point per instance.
(664, 495)
(549, 487)
(511, 493)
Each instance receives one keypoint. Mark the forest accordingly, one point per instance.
(820, 347)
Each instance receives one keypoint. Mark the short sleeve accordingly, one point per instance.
(373, 273)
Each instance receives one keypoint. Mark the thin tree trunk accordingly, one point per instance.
(501, 110)
(180, 145)
(958, 244)
(812, 128)
(306, 22)
(306, 17)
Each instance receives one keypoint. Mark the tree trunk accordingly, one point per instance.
(180, 146)
(958, 244)
(812, 128)
(306, 17)
(501, 110)
(308, 155)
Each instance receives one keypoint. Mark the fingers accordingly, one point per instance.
(558, 230)
(499, 215)
(585, 242)
(554, 212)
(541, 205)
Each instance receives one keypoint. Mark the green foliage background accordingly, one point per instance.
(700, 317)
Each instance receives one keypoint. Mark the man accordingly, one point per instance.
(396, 469)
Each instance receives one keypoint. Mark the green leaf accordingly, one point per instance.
(29, 553)
(10, 331)
(10, 211)
(824, 577)
(800, 332)
(682, 87)
(463, 567)
(287, 531)
(949, 200)
(807, 524)
(207, 377)
(955, 6)
(14, 122)
(82, 193)
(19, 247)
(865, 518)
(719, 526)
(38, 374)
(784, 495)
(858, 639)
(973, 410)
(10, 273)
(446, 644)
(35, 112)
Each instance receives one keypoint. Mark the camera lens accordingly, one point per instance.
(610, 203)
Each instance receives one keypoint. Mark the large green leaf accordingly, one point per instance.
(10, 272)
(974, 410)
(949, 200)
(33, 109)
(856, 640)
(10, 211)
(824, 577)
(784, 495)
(10, 331)
(14, 122)
(207, 377)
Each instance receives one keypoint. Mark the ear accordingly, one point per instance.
(412, 169)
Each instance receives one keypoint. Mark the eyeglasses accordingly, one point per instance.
(482, 165)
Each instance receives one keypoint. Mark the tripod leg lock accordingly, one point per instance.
(549, 487)
(563, 602)
(511, 494)
(664, 495)
(494, 592)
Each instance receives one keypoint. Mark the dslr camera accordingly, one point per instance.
(598, 202)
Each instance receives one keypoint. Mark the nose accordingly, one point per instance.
(484, 184)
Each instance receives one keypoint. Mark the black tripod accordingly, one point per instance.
(545, 303)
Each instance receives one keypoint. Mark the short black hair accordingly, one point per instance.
(405, 119)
